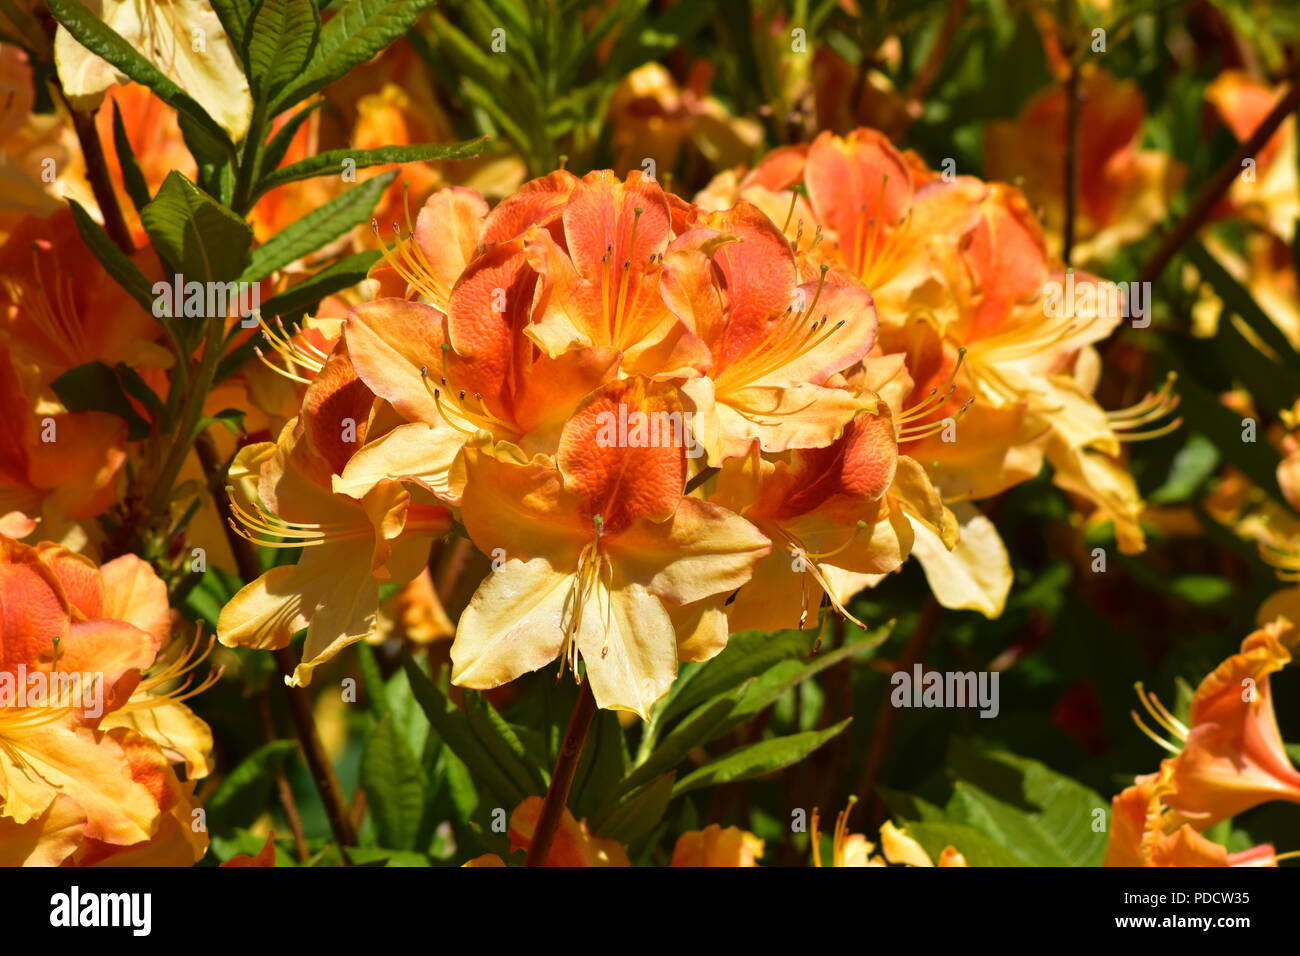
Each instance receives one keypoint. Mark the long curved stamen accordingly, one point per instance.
(408, 260)
(266, 529)
(1160, 714)
(929, 404)
(799, 550)
(925, 430)
(592, 564)
(183, 667)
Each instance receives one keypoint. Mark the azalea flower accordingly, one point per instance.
(1123, 191)
(716, 846)
(1144, 832)
(86, 771)
(846, 507)
(349, 544)
(182, 38)
(1229, 756)
(601, 554)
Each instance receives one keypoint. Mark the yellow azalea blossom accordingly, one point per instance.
(348, 543)
(182, 38)
(600, 552)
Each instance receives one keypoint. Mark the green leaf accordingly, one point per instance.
(638, 813)
(359, 31)
(279, 144)
(500, 740)
(94, 387)
(394, 783)
(757, 759)
(693, 731)
(1044, 818)
(454, 729)
(242, 795)
(95, 36)
(115, 262)
(234, 16)
(343, 274)
(601, 766)
(278, 43)
(194, 233)
(332, 161)
(132, 178)
(216, 171)
(747, 654)
(321, 225)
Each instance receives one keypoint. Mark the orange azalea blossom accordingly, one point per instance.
(471, 369)
(775, 345)
(574, 845)
(969, 329)
(600, 269)
(716, 846)
(86, 770)
(348, 543)
(1123, 191)
(1145, 832)
(604, 559)
(1232, 756)
(62, 469)
(830, 514)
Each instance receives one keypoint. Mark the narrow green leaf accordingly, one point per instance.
(332, 161)
(757, 759)
(693, 731)
(321, 225)
(1238, 300)
(453, 727)
(278, 43)
(132, 178)
(343, 274)
(499, 740)
(234, 16)
(116, 263)
(637, 813)
(359, 31)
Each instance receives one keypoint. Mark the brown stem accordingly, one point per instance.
(1071, 158)
(100, 183)
(887, 713)
(566, 764)
(287, 802)
(1218, 184)
(318, 762)
(304, 723)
